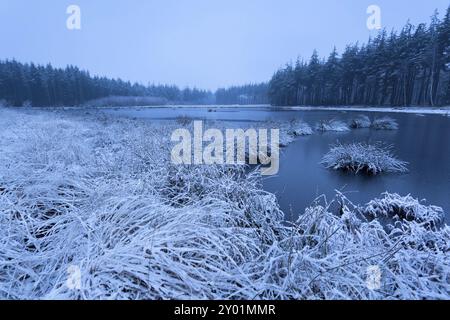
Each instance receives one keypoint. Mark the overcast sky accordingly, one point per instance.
(203, 43)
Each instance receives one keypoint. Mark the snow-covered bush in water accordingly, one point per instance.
(360, 122)
(385, 123)
(99, 195)
(300, 128)
(394, 206)
(332, 125)
(363, 158)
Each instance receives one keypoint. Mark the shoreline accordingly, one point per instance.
(411, 110)
(445, 111)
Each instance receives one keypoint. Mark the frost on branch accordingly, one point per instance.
(363, 158)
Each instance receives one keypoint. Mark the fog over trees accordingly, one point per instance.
(30, 84)
(247, 94)
(411, 67)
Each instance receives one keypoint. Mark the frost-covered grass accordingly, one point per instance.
(396, 207)
(360, 122)
(385, 123)
(363, 158)
(332, 125)
(99, 194)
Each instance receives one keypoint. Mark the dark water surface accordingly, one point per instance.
(422, 141)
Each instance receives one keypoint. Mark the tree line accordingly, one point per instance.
(411, 67)
(246, 94)
(35, 85)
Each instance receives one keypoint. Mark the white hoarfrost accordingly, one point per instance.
(385, 123)
(360, 122)
(394, 206)
(91, 208)
(332, 125)
(363, 158)
(300, 128)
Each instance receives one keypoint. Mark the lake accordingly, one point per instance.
(422, 140)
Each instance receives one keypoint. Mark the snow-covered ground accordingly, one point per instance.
(92, 208)
(414, 110)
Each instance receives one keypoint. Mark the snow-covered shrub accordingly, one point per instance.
(300, 128)
(359, 122)
(332, 255)
(406, 208)
(363, 158)
(332, 125)
(385, 123)
(98, 197)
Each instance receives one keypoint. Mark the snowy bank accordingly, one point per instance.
(422, 110)
(99, 196)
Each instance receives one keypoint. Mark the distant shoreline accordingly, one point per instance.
(411, 110)
(416, 110)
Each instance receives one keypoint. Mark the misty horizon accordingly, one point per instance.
(220, 45)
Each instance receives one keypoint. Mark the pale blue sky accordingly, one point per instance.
(206, 43)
